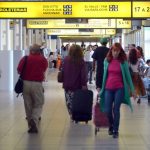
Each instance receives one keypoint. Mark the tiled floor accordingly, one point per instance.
(57, 132)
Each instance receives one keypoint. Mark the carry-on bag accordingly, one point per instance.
(99, 118)
(82, 105)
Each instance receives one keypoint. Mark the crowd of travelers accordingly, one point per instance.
(117, 78)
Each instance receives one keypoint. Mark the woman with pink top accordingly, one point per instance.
(115, 86)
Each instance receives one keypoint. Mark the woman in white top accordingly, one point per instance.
(89, 62)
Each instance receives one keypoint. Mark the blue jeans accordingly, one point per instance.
(113, 100)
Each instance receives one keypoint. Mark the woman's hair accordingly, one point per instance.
(133, 56)
(141, 51)
(75, 53)
(51, 53)
(121, 57)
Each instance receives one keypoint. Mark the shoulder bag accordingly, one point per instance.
(19, 85)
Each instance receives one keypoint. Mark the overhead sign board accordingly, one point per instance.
(91, 23)
(60, 23)
(76, 32)
(124, 24)
(110, 31)
(65, 9)
(141, 9)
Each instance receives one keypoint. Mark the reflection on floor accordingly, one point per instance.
(57, 132)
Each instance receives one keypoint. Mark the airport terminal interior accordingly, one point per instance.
(57, 132)
(57, 23)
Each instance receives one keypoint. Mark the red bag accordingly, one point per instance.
(100, 118)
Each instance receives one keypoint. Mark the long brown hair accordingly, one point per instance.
(133, 56)
(76, 54)
(122, 55)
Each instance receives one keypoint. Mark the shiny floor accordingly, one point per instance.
(57, 132)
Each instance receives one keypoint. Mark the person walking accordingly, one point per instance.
(134, 62)
(142, 67)
(52, 59)
(65, 51)
(115, 87)
(98, 59)
(33, 93)
(89, 62)
(44, 52)
(73, 66)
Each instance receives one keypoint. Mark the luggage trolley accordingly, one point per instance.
(99, 118)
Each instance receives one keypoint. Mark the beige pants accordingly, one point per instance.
(33, 96)
(46, 74)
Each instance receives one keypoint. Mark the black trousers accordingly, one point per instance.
(89, 66)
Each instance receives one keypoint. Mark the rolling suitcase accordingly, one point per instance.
(99, 118)
(82, 106)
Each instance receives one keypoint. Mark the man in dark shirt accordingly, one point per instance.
(98, 59)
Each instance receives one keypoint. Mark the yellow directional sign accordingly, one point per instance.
(76, 32)
(141, 9)
(65, 9)
(110, 31)
(91, 23)
(60, 23)
(124, 24)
